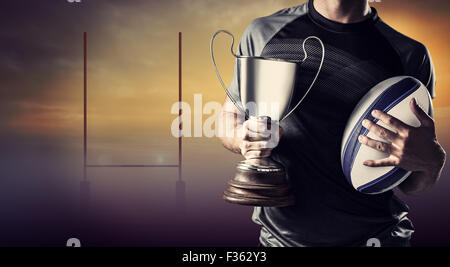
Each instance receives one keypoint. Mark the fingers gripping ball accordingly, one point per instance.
(369, 160)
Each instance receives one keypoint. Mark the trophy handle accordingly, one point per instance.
(317, 74)
(217, 70)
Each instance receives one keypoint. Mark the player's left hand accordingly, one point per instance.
(411, 148)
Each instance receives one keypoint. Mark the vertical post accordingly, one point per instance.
(180, 69)
(84, 184)
(85, 104)
(180, 185)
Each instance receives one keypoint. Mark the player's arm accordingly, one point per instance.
(414, 149)
(231, 122)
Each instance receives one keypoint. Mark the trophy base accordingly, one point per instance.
(259, 182)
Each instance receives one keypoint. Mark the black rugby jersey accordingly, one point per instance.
(329, 211)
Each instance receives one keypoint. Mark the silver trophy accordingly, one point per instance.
(266, 87)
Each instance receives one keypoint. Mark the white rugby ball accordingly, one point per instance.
(393, 97)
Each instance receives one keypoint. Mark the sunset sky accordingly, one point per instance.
(133, 57)
(133, 83)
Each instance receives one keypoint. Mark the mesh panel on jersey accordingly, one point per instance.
(341, 76)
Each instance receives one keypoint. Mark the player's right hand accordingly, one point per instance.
(260, 136)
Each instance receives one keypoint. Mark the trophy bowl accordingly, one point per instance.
(266, 87)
